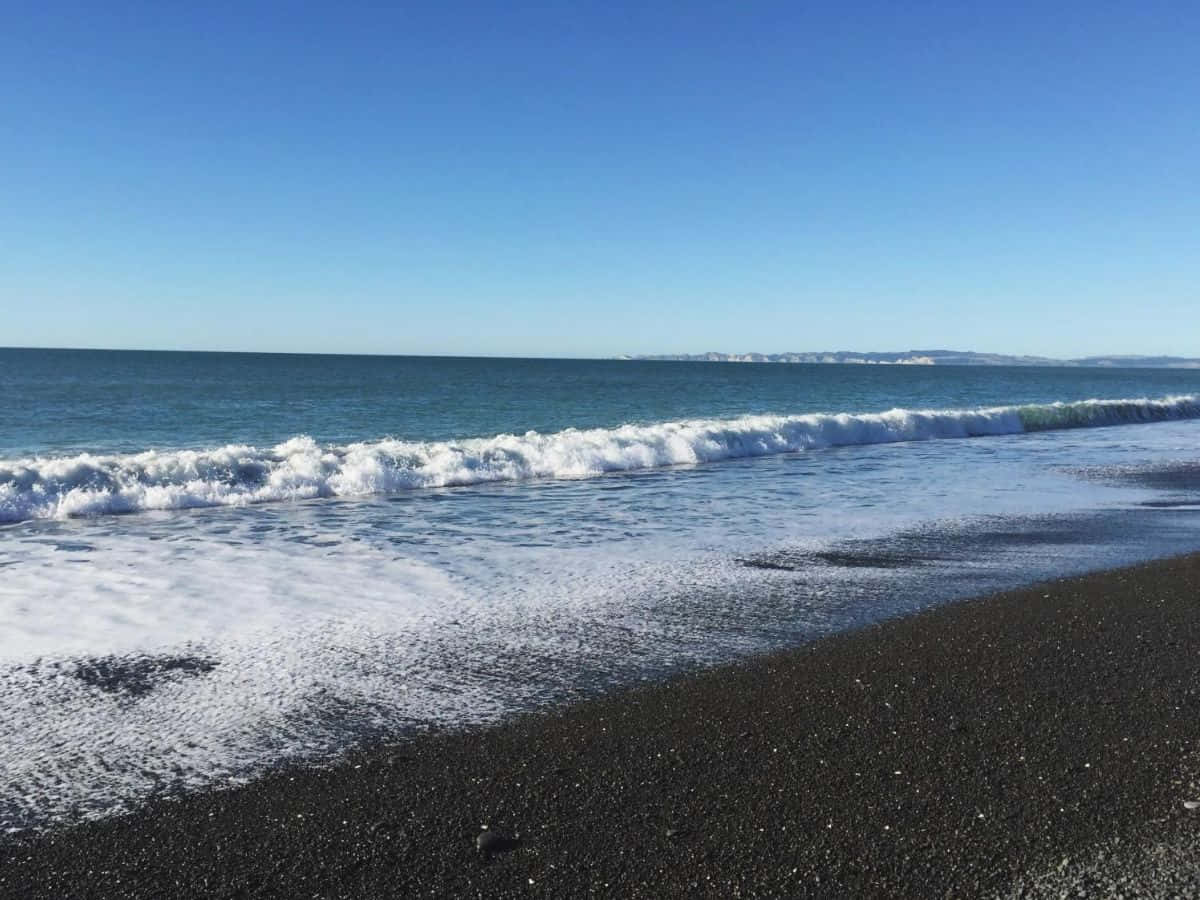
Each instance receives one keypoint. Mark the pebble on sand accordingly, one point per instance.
(490, 841)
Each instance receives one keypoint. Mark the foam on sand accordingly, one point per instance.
(167, 665)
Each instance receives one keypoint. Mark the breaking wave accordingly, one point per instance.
(301, 468)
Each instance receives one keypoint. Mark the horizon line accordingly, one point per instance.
(620, 357)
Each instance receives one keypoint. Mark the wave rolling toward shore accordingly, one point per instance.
(301, 468)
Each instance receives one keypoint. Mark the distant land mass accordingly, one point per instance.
(933, 358)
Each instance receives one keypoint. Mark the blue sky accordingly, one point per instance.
(583, 179)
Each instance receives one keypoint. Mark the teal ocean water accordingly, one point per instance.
(58, 402)
(214, 563)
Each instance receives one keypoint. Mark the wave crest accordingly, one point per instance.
(300, 468)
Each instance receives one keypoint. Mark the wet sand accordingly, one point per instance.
(1026, 744)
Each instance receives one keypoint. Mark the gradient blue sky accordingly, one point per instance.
(590, 179)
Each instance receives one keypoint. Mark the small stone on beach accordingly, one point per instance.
(489, 842)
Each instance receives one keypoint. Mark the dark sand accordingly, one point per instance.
(1022, 739)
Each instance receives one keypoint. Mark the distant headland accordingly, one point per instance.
(932, 358)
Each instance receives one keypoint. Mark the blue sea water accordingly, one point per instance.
(73, 401)
(214, 563)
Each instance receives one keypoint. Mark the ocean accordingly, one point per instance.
(214, 564)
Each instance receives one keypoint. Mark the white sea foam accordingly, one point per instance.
(301, 468)
(173, 664)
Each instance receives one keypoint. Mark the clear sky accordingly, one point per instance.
(588, 179)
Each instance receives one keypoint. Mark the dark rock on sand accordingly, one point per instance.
(491, 841)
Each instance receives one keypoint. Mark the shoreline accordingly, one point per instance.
(985, 747)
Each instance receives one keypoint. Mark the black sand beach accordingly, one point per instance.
(1031, 743)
